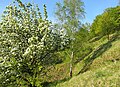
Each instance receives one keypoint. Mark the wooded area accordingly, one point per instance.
(34, 52)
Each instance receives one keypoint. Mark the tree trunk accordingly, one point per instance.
(71, 64)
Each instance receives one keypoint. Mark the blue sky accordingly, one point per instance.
(92, 7)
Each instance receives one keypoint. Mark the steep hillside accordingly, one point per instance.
(101, 68)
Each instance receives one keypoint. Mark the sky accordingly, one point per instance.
(92, 7)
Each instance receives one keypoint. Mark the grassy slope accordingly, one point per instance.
(101, 68)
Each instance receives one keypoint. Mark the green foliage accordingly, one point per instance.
(109, 18)
(82, 46)
(106, 23)
(96, 26)
(103, 71)
(26, 44)
(30, 45)
(69, 14)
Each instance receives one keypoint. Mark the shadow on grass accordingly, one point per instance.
(95, 39)
(99, 51)
(53, 84)
(79, 59)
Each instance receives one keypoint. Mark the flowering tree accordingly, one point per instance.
(26, 42)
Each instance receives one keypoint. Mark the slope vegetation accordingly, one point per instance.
(101, 68)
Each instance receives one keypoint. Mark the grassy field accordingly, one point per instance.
(101, 68)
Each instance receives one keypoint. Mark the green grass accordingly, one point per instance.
(101, 68)
(105, 76)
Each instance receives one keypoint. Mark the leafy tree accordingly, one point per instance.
(109, 21)
(106, 23)
(26, 43)
(69, 14)
(95, 28)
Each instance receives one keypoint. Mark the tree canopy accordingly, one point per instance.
(106, 23)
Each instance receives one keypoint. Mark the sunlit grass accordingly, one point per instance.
(104, 71)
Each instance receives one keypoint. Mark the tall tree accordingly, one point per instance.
(69, 14)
